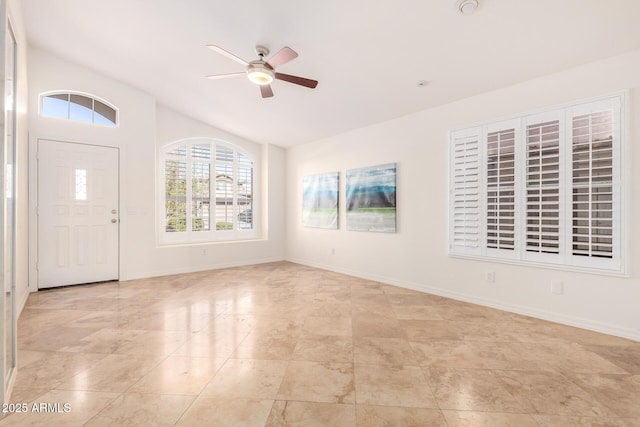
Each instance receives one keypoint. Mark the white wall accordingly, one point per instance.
(416, 256)
(22, 156)
(165, 259)
(142, 128)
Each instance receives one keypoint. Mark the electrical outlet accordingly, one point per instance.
(557, 287)
(204, 251)
(333, 251)
(490, 276)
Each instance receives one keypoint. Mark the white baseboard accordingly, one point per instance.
(22, 302)
(561, 318)
(194, 269)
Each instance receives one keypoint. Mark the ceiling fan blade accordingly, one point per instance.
(297, 80)
(281, 57)
(229, 55)
(222, 76)
(266, 91)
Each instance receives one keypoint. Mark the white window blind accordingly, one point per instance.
(465, 195)
(197, 206)
(245, 192)
(500, 187)
(175, 195)
(200, 187)
(224, 189)
(542, 189)
(592, 147)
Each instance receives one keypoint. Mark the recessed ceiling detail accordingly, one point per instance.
(467, 7)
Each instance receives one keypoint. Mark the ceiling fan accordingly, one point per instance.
(263, 72)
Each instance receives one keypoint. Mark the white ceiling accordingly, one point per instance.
(367, 55)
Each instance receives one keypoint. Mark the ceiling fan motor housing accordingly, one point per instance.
(262, 51)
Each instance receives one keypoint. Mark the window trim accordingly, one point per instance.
(213, 235)
(618, 265)
(93, 98)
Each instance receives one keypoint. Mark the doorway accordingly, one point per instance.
(78, 213)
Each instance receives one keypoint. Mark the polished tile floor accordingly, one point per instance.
(283, 344)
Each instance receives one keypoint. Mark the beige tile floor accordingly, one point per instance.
(283, 344)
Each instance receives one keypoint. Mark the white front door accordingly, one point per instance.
(78, 213)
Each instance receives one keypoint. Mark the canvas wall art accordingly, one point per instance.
(371, 199)
(320, 200)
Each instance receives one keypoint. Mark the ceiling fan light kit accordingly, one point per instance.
(260, 74)
(263, 72)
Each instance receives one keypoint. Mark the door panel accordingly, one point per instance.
(78, 215)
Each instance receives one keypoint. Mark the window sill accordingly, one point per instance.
(252, 239)
(549, 266)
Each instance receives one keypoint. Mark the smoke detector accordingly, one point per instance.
(467, 7)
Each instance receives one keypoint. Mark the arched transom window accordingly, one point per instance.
(78, 107)
(207, 191)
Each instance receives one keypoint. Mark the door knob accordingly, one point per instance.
(113, 220)
(113, 211)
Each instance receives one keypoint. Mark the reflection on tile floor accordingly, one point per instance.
(287, 345)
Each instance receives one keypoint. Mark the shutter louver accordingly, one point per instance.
(224, 189)
(543, 187)
(201, 152)
(592, 203)
(201, 187)
(175, 195)
(501, 189)
(245, 193)
(466, 193)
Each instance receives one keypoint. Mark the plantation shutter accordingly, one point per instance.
(201, 187)
(465, 192)
(208, 192)
(543, 178)
(542, 189)
(595, 184)
(175, 180)
(245, 192)
(500, 190)
(225, 178)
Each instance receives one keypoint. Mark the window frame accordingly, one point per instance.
(93, 98)
(212, 235)
(617, 265)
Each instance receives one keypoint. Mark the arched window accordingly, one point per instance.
(78, 107)
(207, 192)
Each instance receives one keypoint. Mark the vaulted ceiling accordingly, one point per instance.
(367, 55)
